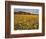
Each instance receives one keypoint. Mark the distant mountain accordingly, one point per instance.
(29, 13)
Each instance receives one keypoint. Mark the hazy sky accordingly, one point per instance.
(27, 10)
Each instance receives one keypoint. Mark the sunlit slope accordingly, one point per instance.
(22, 21)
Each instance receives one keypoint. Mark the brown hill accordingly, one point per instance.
(24, 13)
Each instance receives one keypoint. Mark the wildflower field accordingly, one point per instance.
(26, 21)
